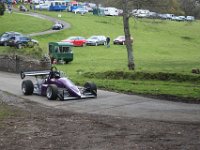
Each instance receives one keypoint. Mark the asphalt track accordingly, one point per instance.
(54, 20)
(111, 103)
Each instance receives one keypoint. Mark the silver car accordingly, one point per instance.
(96, 40)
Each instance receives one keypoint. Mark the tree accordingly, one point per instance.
(2, 8)
(125, 5)
(191, 7)
(129, 47)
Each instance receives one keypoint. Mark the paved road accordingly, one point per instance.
(54, 20)
(111, 103)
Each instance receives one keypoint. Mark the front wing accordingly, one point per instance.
(63, 94)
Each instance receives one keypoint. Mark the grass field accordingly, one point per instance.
(159, 46)
(23, 23)
(174, 45)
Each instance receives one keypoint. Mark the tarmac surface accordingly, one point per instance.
(111, 103)
(54, 20)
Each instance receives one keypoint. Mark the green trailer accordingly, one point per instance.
(60, 51)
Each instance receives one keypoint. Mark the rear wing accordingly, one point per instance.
(34, 73)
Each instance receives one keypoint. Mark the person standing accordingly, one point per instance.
(108, 42)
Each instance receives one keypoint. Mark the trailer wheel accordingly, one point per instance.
(91, 87)
(27, 87)
(52, 92)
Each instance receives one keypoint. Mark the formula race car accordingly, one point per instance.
(54, 84)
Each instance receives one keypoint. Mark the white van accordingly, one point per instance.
(111, 11)
(38, 1)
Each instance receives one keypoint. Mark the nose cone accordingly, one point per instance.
(71, 87)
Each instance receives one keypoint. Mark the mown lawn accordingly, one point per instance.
(159, 46)
(23, 23)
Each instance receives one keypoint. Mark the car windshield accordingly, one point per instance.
(72, 38)
(5, 35)
(81, 38)
(121, 37)
(18, 34)
(93, 37)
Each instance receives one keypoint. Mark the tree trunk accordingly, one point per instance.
(131, 64)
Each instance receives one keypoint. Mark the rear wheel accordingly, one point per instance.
(52, 92)
(27, 87)
(91, 87)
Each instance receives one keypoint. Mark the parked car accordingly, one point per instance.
(80, 10)
(57, 26)
(44, 6)
(111, 11)
(153, 15)
(96, 40)
(178, 18)
(6, 36)
(22, 41)
(189, 18)
(120, 40)
(76, 40)
(23, 8)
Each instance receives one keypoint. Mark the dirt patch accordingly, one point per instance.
(33, 126)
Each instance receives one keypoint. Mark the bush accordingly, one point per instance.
(162, 76)
(2, 8)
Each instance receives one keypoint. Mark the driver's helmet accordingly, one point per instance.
(56, 74)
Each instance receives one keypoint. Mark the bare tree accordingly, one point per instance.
(129, 47)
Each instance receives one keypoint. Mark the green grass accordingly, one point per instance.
(23, 23)
(159, 46)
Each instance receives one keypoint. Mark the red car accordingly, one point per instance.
(120, 40)
(76, 40)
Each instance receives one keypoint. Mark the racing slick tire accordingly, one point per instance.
(91, 87)
(27, 87)
(52, 92)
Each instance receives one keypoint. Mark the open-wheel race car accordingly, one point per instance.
(55, 85)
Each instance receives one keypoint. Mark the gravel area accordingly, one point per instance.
(33, 126)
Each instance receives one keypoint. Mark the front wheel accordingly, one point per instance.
(27, 87)
(52, 92)
(91, 87)
(19, 46)
(84, 44)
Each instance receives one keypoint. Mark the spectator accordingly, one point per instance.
(108, 42)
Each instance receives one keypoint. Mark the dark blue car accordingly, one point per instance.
(21, 41)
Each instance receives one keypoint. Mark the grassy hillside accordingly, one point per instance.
(22, 23)
(159, 46)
